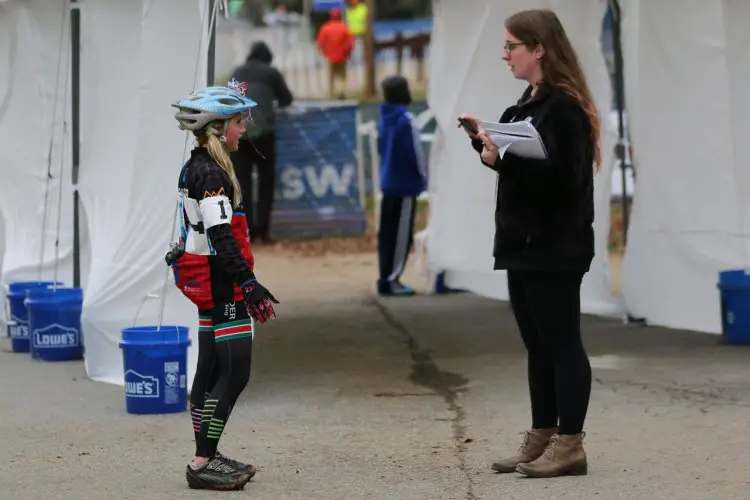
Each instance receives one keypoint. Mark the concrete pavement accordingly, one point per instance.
(356, 397)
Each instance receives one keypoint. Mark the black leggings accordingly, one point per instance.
(223, 371)
(547, 307)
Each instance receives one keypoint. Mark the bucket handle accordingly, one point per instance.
(140, 306)
(6, 289)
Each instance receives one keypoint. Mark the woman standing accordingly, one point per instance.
(544, 237)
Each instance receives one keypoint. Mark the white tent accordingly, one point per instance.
(136, 58)
(685, 66)
(33, 56)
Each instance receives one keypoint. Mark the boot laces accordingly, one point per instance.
(556, 439)
(526, 439)
(549, 451)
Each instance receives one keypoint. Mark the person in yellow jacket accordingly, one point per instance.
(356, 20)
(356, 17)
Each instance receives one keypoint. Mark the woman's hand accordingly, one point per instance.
(475, 123)
(490, 151)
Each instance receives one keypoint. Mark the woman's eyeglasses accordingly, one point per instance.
(509, 46)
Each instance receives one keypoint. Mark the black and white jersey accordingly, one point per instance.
(217, 257)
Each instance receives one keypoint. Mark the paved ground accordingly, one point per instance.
(354, 397)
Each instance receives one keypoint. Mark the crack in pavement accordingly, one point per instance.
(444, 384)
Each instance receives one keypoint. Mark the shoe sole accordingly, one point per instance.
(251, 473)
(575, 471)
(502, 470)
(197, 484)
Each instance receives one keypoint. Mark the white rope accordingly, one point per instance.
(45, 212)
(60, 185)
(209, 30)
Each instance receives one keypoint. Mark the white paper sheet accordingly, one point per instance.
(520, 138)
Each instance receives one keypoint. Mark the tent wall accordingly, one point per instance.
(469, 75)
(34, 41)
(137, 58)
(687, 64)
(689, 119)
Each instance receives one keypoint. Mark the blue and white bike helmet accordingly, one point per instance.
(211, 104)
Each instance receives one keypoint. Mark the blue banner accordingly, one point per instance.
(326, 5)
(317, 186)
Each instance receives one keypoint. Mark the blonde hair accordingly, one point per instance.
(220, 155)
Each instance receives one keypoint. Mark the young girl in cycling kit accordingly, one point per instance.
(213, 267)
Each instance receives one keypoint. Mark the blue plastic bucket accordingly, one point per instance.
(155, 364)
(734, 289)
(18, 318)
(55, 323)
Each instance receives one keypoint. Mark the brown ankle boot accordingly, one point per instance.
(534, 443)
(563, 456)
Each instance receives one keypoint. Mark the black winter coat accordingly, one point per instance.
(266, 84)
(545, 208)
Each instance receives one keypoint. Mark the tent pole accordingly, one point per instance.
(369, 51)
(620, 102)
(211, 62)
(75, 46)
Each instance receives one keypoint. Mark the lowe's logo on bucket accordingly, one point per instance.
(141, 386)
(56, 336)
(18, 329)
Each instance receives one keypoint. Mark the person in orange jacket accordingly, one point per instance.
(336, 43)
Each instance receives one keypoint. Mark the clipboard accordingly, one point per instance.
(519, 138)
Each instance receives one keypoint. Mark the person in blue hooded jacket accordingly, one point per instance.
(403, 177)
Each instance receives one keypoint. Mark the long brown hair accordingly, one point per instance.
(560, 66)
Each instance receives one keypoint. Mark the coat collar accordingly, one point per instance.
(541, 94)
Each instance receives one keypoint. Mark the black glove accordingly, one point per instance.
(176, 250)
(258, 301)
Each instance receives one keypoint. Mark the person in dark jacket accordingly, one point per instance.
(544, 237)
(266, 86)
(403, 177)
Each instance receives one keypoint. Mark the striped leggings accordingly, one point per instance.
(225, 347)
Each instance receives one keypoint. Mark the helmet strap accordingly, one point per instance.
(223, 137)
(221, 133)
